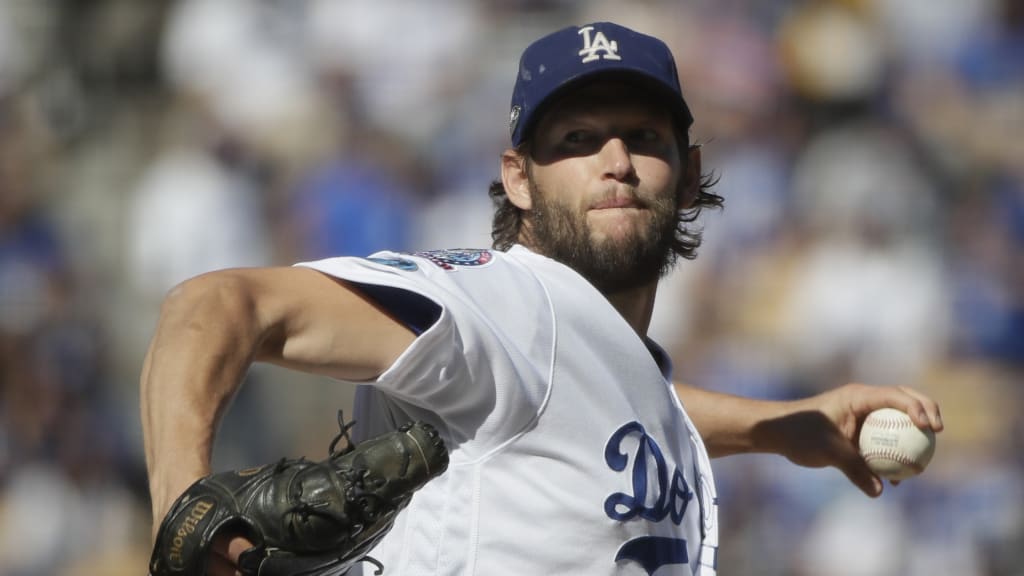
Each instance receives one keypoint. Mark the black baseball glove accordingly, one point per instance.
(305, 518)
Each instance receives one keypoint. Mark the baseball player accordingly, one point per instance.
(571, 450)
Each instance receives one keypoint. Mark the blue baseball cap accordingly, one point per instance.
(565, 58)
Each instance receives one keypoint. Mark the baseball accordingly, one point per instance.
(893, 446)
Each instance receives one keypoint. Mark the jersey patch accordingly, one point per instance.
(400, 263)
(452, 258)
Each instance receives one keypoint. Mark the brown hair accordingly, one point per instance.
(508, 218)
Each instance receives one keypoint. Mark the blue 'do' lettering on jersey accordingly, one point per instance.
(669, 498)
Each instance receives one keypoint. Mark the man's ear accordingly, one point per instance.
(515, 179)
(689, 186)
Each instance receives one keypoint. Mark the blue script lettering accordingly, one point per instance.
(670, 498)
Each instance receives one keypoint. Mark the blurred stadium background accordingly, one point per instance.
(870, 152)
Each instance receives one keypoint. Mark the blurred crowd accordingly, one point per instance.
(869, 151)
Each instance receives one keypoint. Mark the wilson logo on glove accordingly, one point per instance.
(187, 526)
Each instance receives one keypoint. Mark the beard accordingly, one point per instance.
(612, 265)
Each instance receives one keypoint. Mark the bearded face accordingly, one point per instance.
(604, 176)
(637, 255)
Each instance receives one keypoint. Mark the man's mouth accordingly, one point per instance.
(617, 202)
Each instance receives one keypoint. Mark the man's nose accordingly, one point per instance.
(616, 160)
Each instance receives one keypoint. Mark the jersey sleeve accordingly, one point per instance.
(442, 370)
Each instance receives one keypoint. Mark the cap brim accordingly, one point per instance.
(653, 85)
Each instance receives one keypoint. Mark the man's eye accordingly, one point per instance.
(645, 135)
(577, 136)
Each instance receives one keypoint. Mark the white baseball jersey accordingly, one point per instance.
(570, 452)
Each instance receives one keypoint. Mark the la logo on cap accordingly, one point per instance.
(597, 43)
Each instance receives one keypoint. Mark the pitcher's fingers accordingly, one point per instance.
(932, 414)
(219, 546)
(870, 398)
(236, 546)
(230, 546)
(221, 566)
(850, 462)
(863, 478)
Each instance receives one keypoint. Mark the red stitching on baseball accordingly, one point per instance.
(888, 423)
(888, 454)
